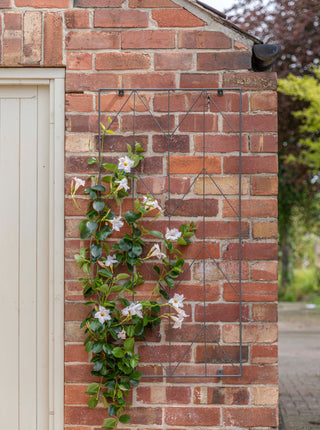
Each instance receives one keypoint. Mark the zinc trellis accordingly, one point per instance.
(201, 105)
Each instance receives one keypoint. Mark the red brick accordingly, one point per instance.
(264, 143)
(149, 80)
(199, 80)
(192, 207)
(5, 4)
(250, 417)
(122, 61)
(193, 333)
(226, 270)
(43, 3)
(263, 354)
(221, 395)
(195, 39)
(228, 185)
(177, 143)
(173, 61)
(263, 186)
(152, 166)
(240, 46)
(252, 251)
(12, 48)
(148, 39)
(164, 395)
(74, 334)
(251, 164)
(259, 81)
(179, 102)
(220, 143)
(265, 230)
(75, 353)
(159, 185)
(251, 292)
(264, 271)
(195, 292)
(251, 123)
(79, 61)
(229, 102)
(265, 312)
(220, 354)
(252, 208)
(200, 251)
(222, 229)
(12, 21)
(151, 4)
(193, 416)
(151, 353)
(53, 39)
(120, 18)
(92, 40)
(253, 374)
(194, 122)
(264, 102)
(259, 333)
(32, 41)
(75, 311)
(98, 3)
(180, 164)
(180, 18)
(77, 19)
(78, 373)
(145, 123)
(79, 102)
(224, 60)
(224, 312)
(76, 395)
(76, 82)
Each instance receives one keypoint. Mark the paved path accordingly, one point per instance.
(299, 366)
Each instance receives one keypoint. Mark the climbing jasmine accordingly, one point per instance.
(125, 164)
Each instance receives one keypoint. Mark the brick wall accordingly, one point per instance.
(157, 43)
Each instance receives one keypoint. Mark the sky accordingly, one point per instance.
(220, 5)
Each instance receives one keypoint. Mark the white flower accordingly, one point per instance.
(125, 164)
(78, 183)
(116, 223)
(122, 334)
(181, 313)
(110, 261)
(178, 319)
(151, 203)
(178, 322)
(155, 252)
(123, 184)
(177, 301)
(133, 309)
(103, 315)
(173, 234)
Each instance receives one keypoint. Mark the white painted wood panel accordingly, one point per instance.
(24, 256)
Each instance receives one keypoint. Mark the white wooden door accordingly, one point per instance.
(24, 257)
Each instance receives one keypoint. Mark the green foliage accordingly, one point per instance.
(112, 273)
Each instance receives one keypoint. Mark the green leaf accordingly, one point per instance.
(107, 179)
(104, 401)
(132, 217)
(112, 410)
(96, 251)
(109, 423)
(124, 419)
(107, 349)
(134, 362)
(110, 166)
(98, 188)
(104, 232)
(125, 244)
(97, 366)
(92, 402)
(130, 330)
(95, 325)
(92, 160)
(93, 388)
(98, 205)
(91, 226)
(164, 293)
(169, 281)
(106, 273)
(182, 241)
(97, 347)
(137, 250)
(138, 148)
(156, 269)
(156, 234)
(128, 344)
(122, 276)
(118, 352)
(136, 375)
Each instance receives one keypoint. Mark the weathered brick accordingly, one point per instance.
(79, 61)
(120, 18)
(159, 185)
(252, 123)
(79, 102)
(264, 186)
(151, 4)
(12, 21)
(222, 229)
(149, 80)
(265, 395)
(229, 102)
(193, 416)
(264, 143)
(221, 395)
(53, 39)
(203, 40)
(224, 60)
(173, 61)
(253, 374)
(192, 207)
(224, 312)
(220, 354)
(251, 164)
(12, 47)
(113, 103)
(220, 143)
(122, 61)
(259, 81)
(5, 4)
(265, 333)
(161, 352)
(250, 417)
(75, 353)
(76, 394)
(180, 164)
(194, 122)
(252, 251)
(265, 312)
(77, 18)
(262, 208)
(148, 39)
(180, 18)
(264, 271)
(83, 40)
(63, 4)
(78, 142)
(264, 102)
(145, 123)
(74, 334)
(227, 269)
(164, 395)
(76, 82)
(262, 354)
(177, 143)
(251, 291)
(98, 3)
(228, 185)
(32, 42)
(265, 230)
(199, 80)
(193, 333)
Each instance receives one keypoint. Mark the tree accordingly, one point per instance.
(295, 26)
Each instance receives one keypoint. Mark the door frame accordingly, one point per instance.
(55, 80)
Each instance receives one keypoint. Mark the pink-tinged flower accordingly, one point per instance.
(133, 309)
(110, 261)
(173, 234)
(122, 334)
(103, 315)
(155, 252)
(151, 203)
(125, 164)
(177, 301)
(123, 184)
(178, 322)
(78, 183)
(116, 223)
